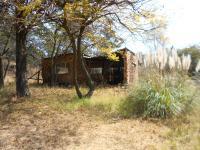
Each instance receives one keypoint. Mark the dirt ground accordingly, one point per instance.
(29, 127)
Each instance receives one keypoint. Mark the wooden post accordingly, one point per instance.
(1, 73)
(38, 79)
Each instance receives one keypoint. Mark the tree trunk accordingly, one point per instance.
(52, 73)
(1, 73)
(89, 81)
(53, 54)
(76, 46)
(75, 72)
(22, 89)
(6, 68)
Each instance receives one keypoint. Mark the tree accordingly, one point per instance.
(40, 45)
(4, 55)
(23, 10)
(25, 14)
(55, 43)
(87, 24)
(6, 38)
(81, 18)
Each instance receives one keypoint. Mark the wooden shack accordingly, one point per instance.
(102, 70)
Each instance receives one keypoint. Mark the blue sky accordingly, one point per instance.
(183, 28)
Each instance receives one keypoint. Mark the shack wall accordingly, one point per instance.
(62, 78)
(113, 72)
(130, 68)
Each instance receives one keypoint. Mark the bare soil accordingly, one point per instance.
(27, 126)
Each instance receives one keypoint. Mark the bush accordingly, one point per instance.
(158, 97)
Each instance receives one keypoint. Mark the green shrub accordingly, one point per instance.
(158, 97)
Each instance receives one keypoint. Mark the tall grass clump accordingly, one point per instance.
(161, 91)
(158, 97)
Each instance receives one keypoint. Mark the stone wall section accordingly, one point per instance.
(130, 68)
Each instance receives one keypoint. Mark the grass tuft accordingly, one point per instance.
(159, 97)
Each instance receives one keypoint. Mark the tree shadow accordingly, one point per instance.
(31, 129)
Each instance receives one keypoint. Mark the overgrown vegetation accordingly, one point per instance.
(81, 27)
(116, 102)
(164, 92)
(159, 97)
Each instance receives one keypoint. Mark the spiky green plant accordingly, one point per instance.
(158, 97)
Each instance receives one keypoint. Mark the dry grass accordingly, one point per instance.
(184, 133)
(104, 100)
(53, 118)
(185, 130)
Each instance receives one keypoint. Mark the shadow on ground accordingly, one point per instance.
(23, 126)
